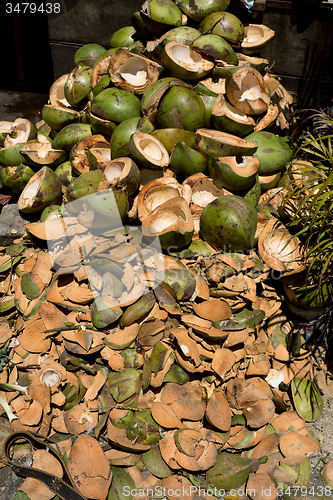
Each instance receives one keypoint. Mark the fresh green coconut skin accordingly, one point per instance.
(181, 107)
(216, 47)
(252, 194)
(123, 37)
(64, 173)
(122, 134)
(170, 136)
(86, 184)
(229, 223)
(15, 178)
(88, 54)
(199, 9)
(159, 14)
(52, 210)
(70, 135)
(152, 96)
(116, 105)
(226, 25)
(78, 86)
(273, 152)
(186, 161)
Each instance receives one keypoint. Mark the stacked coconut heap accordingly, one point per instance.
(148, 327)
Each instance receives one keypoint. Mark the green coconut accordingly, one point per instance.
(215, 46)
(232, 470)
(99, 125)
(78, 86)
(15, 178)
(88, 54)
(252, 194)
(226, 25)
(123, 37)
(185, 161)
(43, 189)
(199, 9)
(122, 134)
(116, 105)
(182, 281)
(274, 152)
(102, 315)
(153, 95)
(208, 101)
(71, 135)
(105, 209)
(87, 183)
(64, 173)
(181, 108)
(103, 84)
(229, 223)
(57, 117)
(160, 15)
(181, 34)
(170, 136)
(51, 212)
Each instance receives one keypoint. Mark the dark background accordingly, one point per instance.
(301, 52)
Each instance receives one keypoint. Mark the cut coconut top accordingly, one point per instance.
(57, 92)
(31, 189)
(19, 132)
(278, 248)
(248, 91)
(253, 33)
(183, 55)
(256, 35)
(41, 152)
(242, 165)
(222, 107)
(167, 218)
(134, 71)
(99, 157)
(114, 170)
(218, 135)
(218, 87)
(250, 88)
(5, 127)
(150, 148)
(204, 192)
(268, 119)
(158, 195)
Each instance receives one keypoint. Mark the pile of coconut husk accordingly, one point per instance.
(141, 332)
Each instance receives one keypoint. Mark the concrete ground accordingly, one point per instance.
(16, 104)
